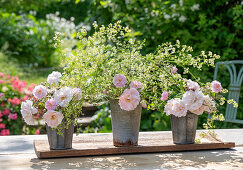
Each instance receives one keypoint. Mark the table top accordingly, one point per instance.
(16, 152)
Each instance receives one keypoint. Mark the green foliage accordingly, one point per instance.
(26, 39)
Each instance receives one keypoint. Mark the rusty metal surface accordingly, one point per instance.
(58, 142)
(184, 128)
(125, 125)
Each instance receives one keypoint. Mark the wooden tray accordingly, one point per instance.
(101, 144)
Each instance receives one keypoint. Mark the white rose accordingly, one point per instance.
(63, 96)
(54, 77)
(193, 99)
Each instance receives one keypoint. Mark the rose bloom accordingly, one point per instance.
(15, 101)
(216, 86)
(5, 132)
(1, 82)
(119, 80)
(1, 114)
(6, 111)
(53, 118)
(51, 104)
(2, 95)
(174, 70)
(27, 111)
(179, 108)
(54, 77)
(63, 96)
(199, 111)
(2, 125)
(40, 92)
(192, 85)
(13, 116)
(130, 99)
(37, 132)
(193, 99)
(77, 93)
(1, 75)
(209, 104)
(137, 85)
(169, 107)
(143, 104)
(164, 96)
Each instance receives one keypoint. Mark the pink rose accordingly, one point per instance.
(119, 80)
(5, 132)
(216, 86)
(1, 81)
(174, 70)
(13, 116)
(2, 95)
(37, 132)
(192, 85)
(129, 100)
(53, 118)
(51, 104)
(1, 115)
(164, 96)
(2, 125)
(199, 111)
(6, 111)
(1, 75)
(137, 85)
(40, 92)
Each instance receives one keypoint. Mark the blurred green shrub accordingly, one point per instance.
(26, 39)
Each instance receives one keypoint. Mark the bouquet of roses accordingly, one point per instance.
(53, 102)
(128, 93)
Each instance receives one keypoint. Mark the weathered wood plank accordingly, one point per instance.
(103, 145)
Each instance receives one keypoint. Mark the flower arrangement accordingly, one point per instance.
(107, 65)
(171, 89)
(53, 102)
(12, 92)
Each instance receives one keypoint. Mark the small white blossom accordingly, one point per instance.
(195, 7)
(182, 18)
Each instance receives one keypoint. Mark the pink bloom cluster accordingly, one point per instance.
(193, 100)
(14, 101)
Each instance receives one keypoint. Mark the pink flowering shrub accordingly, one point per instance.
(12, 92)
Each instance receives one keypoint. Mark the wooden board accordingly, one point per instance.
(101, 144)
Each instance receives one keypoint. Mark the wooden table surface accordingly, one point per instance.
(16, 152)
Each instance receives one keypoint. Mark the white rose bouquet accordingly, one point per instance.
(53, 102)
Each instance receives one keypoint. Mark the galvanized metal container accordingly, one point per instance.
(184, 128)
(58, 142)
(125, 125)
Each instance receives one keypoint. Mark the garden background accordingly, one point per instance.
(27, 28)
